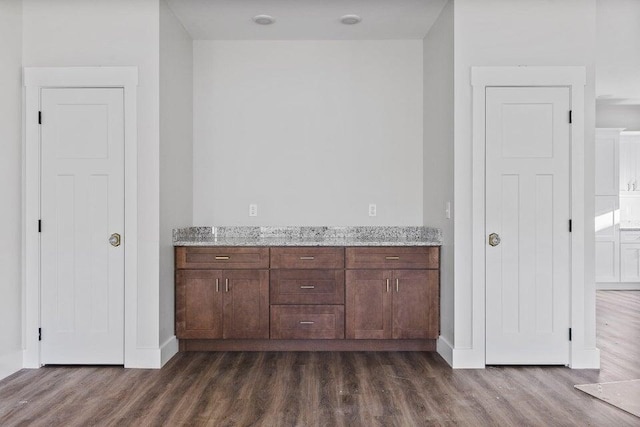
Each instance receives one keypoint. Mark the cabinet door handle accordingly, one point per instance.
(306, 322)
(307, 258)
(397, 285)
(217, 285)
(218, 257)
(226, 285)
(307, 287)
(392, 258)
(635, 183)
(387, 285)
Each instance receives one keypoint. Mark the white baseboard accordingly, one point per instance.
(152, 358)
(466, 358)
(143, 358)
(10, 363)
(588, 358)
(445, 349)
(168, 350)
(618, 286)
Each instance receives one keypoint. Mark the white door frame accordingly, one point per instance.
(574, 78)
(35, 79)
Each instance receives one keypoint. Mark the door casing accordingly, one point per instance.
(582, 355)
(35, 79)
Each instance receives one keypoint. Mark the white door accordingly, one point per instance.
(528, 209)
(82, 206)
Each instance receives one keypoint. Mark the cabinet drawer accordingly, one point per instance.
(307, 287)
(303, 257)
(423, 257)
(221, 257)
(631, 236)
(307, 322)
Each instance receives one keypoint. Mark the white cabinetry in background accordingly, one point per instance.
(629, 163)
(607, 205)
(630, 256)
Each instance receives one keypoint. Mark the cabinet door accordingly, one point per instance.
(607, 227)
(246, 304)
(198, 304)
(368, 304)
(626, 165)
(416, 304)
(630, 262)
(607, 161)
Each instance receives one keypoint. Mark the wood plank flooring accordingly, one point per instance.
(331, 389)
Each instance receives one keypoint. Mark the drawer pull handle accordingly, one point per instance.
(304, 322)
(307, 287)
(307, 258)
(392, 257)
(222, 257)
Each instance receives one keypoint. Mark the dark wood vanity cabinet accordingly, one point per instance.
(392, 304)
(215, 304)
(307, 298)
(392, 292)
(307, 293)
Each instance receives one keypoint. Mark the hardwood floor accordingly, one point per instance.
(331, 389)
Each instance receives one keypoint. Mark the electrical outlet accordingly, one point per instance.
(253, 209)
(373, 210)
(447, 211)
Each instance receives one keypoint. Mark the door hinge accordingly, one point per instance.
(570, 116)
(39, 334)
(570, 226)
(39, 226)
(39, 117)
(569, 334)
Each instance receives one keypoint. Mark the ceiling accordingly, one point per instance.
(306, 19)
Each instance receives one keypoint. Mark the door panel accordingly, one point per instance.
(199, 304)
(367, 306)
(527, 204)
(246, 304)
(607, 176)
(415, 293)
(82, 203)
(607, 228)
(630, 262)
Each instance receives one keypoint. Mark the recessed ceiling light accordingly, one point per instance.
(350, 19)
(264, 19)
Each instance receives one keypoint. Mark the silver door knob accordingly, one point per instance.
(114, 239)
(494, 239)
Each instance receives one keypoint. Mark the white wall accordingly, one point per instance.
(438, 124)
(618, 116)
(10, 186)
(311, 131)
(618, 49)
(526, 32)
(114, 33)
(176, 155)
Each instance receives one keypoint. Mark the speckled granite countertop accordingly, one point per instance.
(307, 236)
